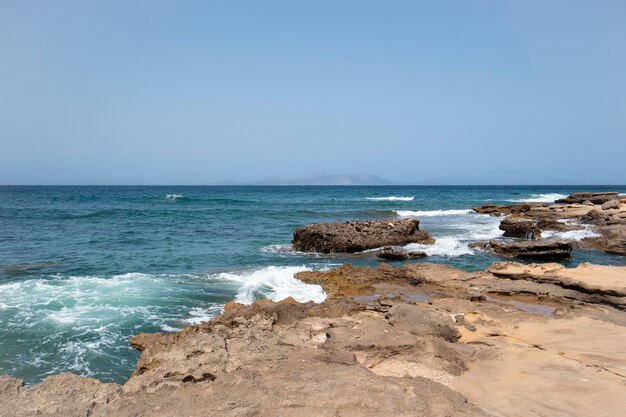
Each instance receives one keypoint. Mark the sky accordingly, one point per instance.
(197, 92)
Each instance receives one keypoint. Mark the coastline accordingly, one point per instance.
(514, 339)
(388, 340)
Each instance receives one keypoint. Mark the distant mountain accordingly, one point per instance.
(320, 179)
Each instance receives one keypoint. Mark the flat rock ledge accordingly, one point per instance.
(357, 236)
(595, 198)
(539, 250)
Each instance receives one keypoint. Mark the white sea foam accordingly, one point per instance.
(174, 196)
(539, 198)
(570, 235)
(444, 246)
(200, 315)
(390, 198)
(281, 249)
(276, 283)
(432, 213)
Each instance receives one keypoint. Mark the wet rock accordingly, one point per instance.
(595, 198)
(392, 254)
(520, 227)
(356, 236)
(611, 204)
(482, 245)
(495, 210)
(540, 250)
(612, 238)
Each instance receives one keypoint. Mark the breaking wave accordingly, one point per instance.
(570, 235)
(444, 246)
(539, 198)
(432, 213)
(174, 197)
(391, 198)
(276, 283)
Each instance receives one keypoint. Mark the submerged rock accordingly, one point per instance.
(392, 254)
(595, 198)
(356, 236)
(540, 250)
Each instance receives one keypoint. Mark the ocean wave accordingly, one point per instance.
(279, 249)
(444, 246)
(276, 283)
(569, 235)
(200, 315)
(390, 198)
(539, 198)
(432, 213)
(174, 197)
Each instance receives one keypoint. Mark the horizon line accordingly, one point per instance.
(314, 185)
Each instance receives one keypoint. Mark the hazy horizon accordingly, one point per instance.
(198, 93)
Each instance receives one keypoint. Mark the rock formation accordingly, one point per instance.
(539, 250)
(496, 210)
(356, 236)
(392, 254)
(595, 198)
(520, 227)
(604, 212)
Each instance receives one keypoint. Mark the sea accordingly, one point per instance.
(84, 268)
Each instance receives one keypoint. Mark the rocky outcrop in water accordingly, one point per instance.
(538, 250)
(520, 227)
(595, 198)
(357, 236)
(496, 210)
(392, 254)
(583, 211)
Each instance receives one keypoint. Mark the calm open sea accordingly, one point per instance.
(82, 269)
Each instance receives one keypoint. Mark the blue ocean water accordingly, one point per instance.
(82, 269)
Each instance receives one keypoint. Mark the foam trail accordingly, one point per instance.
(432, 213)
(174, 196)
(444, 246)
(391, 198)
(539, 198)
(276, 283)
(570, 235)
(200, 315)
(280, 249)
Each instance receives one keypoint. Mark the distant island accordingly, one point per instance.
(318, 179)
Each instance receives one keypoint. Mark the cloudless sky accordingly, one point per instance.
(195, 92)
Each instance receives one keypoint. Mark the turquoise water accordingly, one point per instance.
(84, 268)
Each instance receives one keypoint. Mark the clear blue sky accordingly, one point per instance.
(194, 92)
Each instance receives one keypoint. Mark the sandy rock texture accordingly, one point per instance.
(421, 339)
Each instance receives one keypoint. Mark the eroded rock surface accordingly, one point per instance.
(356, 236)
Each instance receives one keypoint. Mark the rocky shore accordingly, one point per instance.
(418, 339)
(601, 213)
(421, 339)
